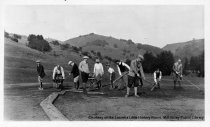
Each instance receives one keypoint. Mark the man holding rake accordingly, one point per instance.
(177, 75)
(135, 74)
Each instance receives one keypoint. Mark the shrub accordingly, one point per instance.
(14, 39)
(86, 54)
(99, 54)
(64, 46)
(130, 42)
(115, 46)
(108, 58)
(37, 42)
(75, 49)
(93, 52)
(55, 42)
(17, 36)
(6, 34)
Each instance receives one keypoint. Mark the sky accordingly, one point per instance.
(155, 25)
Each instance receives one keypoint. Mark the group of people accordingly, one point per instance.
(129, 76)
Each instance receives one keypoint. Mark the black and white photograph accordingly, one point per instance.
(104, 63)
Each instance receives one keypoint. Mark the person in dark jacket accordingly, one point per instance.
(123, 69)
(41, 74)
(75, 72)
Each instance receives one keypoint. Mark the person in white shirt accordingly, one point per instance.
(123, 69)
(111, 75)
(98, 72)
(157, 78)
(58, 74)
(84, 69)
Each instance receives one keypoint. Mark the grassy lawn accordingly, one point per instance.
(186, 103)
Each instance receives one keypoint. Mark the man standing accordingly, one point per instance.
(123, 69)
(84, 69)
(135, 73)
(41, 73)
(177, 75)
(75, 72)
(111, 75)
(157, 78)
(98, 71)
(58, 76)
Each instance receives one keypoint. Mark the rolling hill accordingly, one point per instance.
(186, 49)
(107, 46)
(20, 65)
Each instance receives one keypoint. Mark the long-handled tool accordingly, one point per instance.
(187, 80)
(120, 77)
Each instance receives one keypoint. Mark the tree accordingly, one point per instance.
(99, 54)
(197, 64)
(164, 62)
(186, 66)
(149, 62)
(201, 65)
(38, 42)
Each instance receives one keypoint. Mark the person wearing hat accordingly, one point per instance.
(177, 75)
(58, 74)
(123, 69)
(111, 75)
(41, 73)
(84, 69)
(75, 72)
(135, 74)
(98, 72)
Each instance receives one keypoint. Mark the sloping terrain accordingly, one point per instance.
(20, 65)
(107, 46)
(186, 49)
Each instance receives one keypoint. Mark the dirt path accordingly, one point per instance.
(22, 103)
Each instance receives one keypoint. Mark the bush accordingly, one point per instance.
(130, 42)
(75, 49)
(37, 42)
(55, 42)
(115, 46)
(16, 36)
(93, 52)
(64, 46)
(108, 58)
(6, 34)
(99, 54)
(86, 54)
(14, 39)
